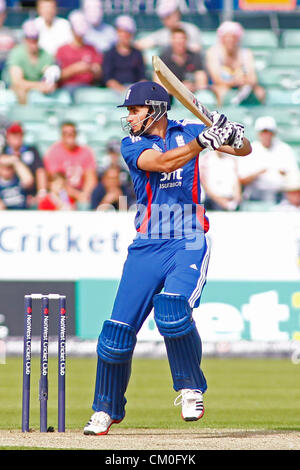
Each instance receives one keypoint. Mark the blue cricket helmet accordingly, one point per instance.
(146, 94)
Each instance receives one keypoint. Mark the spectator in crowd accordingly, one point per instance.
(263, 174)
(79, 62)
(8, 39)
(15, 178)
(232, 66)
(54, 31)
(76, 162)
(27, 65)
(187, 65)
(101, 35)
(57, 197)
(109, 193)
(220, 181)
(114, 159)
(291, 195)
(123, 64)
(30, 156)
(170, 15)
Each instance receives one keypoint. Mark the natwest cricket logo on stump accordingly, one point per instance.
(171, 180)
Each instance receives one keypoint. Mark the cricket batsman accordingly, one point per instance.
(167, 262)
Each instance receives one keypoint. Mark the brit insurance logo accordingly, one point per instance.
(171, 180)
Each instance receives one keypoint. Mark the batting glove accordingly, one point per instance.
(236, 140)
(216, 135)
(218, 120)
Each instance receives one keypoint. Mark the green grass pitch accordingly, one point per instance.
(242, 393)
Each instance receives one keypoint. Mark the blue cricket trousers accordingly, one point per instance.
(155, 265)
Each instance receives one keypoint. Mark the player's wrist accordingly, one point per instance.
(199, 143)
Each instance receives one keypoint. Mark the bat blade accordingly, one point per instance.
(176, 88)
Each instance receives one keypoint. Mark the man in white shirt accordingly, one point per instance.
(169, 14)
(263, 173)
(54, 31)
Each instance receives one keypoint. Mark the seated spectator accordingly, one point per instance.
(79, 62)
(291, 194)
(27, 64)
(114, 159)
(231, 66)
(170, 15)
(30, 156)
(54, 31)
(220, 181)
(76, 162)
(101, 35)
(57, 197)
(15, 178)
(123, 64)
(107, 195)
(263, 172)
(8, 39)
(188, 66)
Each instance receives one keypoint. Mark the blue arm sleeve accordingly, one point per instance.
(193, 127)
(131, 149)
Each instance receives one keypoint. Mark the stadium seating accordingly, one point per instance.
(238, 113)
(207, 97)
(58, 98)
(84, 117)
(104, 134)
(114, 114)
(283, 115)
(96, 96)
(30, 113)
(283, 77)
(262, 57)
(290, 134)
(285, 57)
(7, 99)
(35, 120)
(278, 96)
(208, 38)
(258, 38)
(290, 38)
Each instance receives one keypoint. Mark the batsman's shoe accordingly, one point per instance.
(192, 404)
(99, 424)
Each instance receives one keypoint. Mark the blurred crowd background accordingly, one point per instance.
(65, 65)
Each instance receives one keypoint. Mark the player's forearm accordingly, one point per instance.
(171, 160)
(178, 157)
(242, 152)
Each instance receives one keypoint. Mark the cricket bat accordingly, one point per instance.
(176, 88)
